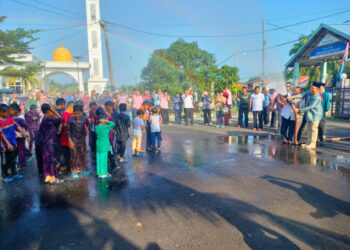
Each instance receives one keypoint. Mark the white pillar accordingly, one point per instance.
(324, 72)
(81, 80)
(96, 80)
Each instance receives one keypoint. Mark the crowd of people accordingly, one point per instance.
(56, 132)
(289, 112)
(55, 129)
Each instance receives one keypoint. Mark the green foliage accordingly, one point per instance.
(185, 65)
(27, 71)
(16, 42)
(55, 87)
(297, 46)
(235, 88)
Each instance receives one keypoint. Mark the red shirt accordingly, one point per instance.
(64, 134)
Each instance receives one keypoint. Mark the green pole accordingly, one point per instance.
(324, 72)
(296, 74)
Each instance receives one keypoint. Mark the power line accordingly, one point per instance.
(56, 7)
(59, 39)
(227, 23)
(304, 14)
(58, 28)
(62, 28)
(34, 24)
(45, 10)
(231, 35)
(288, 30)
(255, 50)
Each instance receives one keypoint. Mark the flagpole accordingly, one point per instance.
(345, 58)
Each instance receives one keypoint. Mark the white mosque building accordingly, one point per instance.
(62, 62)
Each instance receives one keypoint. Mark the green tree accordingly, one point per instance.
(55, 87)
(177, 67)
(17, 42)
(297, 46)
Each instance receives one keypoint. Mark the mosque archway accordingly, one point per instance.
(59, 81)
(62, 63)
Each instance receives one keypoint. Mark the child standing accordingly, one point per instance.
(147, 115)
(77, 129)
(8, 144)
(139, 127)
(60, 108)
(64, 141)
(111, 114)
(93, 124)
(156, 135)
(32, 119)
(102, 146)
(49, 124)
(122, 125)
(14, 111)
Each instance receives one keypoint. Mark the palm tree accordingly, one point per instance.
(28, 82)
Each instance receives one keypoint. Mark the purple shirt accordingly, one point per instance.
(32, 119)
(49, 127)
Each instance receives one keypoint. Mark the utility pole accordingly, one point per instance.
(234, 57)
(109, 60)
(263, 50)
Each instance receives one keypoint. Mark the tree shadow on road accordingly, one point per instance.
(58, 226)
(162, 193)
(325, 205)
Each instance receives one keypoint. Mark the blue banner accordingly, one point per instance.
(328, 50)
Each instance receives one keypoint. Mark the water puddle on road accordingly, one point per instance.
(269, 147)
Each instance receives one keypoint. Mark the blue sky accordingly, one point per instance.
(130, 50)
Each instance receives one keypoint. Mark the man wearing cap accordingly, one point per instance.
(326, 106)
(313, 115)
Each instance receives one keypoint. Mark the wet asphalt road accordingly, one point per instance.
(207, 189)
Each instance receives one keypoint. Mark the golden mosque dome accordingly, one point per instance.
(61, 54)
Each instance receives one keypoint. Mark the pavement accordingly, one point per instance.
(209, 188)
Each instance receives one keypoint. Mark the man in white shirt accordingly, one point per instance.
(289, 120)
(256, 104)
(188, 106)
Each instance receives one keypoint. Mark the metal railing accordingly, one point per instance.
(340, 102)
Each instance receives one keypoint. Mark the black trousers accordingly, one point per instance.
(241, 112)
(266, 116)
(188, 116)
(165, 116)
(111, 160)
(148, 136)
(257, 115)
(39, 159)
(302, 126)
(177, 114)
(8, 162)
(65, 157)
(287, 129)
(207, 116)
(92, 142)
(274, 118)
(322, 129)
(120, 147)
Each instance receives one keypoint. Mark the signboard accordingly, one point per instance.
(328, 50)
(327, 39)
